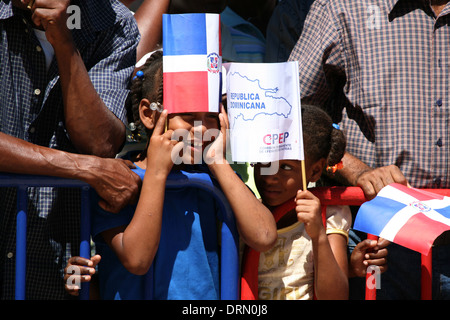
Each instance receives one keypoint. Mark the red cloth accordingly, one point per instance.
(250, 260)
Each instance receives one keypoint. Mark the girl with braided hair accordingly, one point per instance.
(175, 231)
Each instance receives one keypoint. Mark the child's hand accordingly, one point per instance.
(79, 270)
(216, 151)
(162, 150)
(368, 253)
(309, 212)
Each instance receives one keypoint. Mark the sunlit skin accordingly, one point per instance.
(278, 188)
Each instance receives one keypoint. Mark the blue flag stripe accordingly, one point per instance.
(184, 34)
(381, 208)
(445, 212)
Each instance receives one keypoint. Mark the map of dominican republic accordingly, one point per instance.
(263, 105)
(256, 100)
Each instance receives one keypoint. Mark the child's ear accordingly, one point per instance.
(147, 115)
(317, 169)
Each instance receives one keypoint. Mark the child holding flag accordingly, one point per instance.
(167, 229)
(309, 259)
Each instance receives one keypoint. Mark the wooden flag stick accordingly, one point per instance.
(303, 175)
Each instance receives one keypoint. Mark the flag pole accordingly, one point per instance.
(426, 287)
(371, 292)
(303, 175)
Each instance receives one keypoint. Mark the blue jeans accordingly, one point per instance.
(401, 281)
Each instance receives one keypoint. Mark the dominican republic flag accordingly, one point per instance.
(409, 217)
(192, 62)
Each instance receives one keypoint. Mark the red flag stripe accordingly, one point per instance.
(186, 92)
(419, 233)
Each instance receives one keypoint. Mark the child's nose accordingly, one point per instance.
(270, 179)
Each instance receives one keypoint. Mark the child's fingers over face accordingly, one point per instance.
(223, 118)
(160, 124)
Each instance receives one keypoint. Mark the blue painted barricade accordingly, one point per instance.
(229, 235)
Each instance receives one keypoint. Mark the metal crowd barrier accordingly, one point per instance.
(229, 288)
(354, 196)
(22, 182)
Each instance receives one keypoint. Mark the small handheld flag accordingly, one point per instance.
(264, 111)
(409, 217)
(192, 62)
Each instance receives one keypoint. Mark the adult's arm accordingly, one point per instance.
(113, 179)
(93, 128)
(149, 20)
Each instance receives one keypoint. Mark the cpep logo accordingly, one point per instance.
(275, 138)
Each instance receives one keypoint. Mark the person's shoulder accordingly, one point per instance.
(103, 14)
(333, 5)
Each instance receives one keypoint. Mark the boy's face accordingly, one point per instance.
(275, 189)
(197, 130)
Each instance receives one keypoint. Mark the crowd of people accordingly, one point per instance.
(374, 90)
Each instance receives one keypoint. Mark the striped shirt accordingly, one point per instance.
(382, 69)
(31, 108)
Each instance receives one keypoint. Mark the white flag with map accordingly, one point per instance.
(263, 105)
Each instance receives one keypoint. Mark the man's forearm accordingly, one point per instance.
(19, 156)
(22, 157)
(113, 179)
(352, 169)
(92, 127)
(371, 180)
(149, 20)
